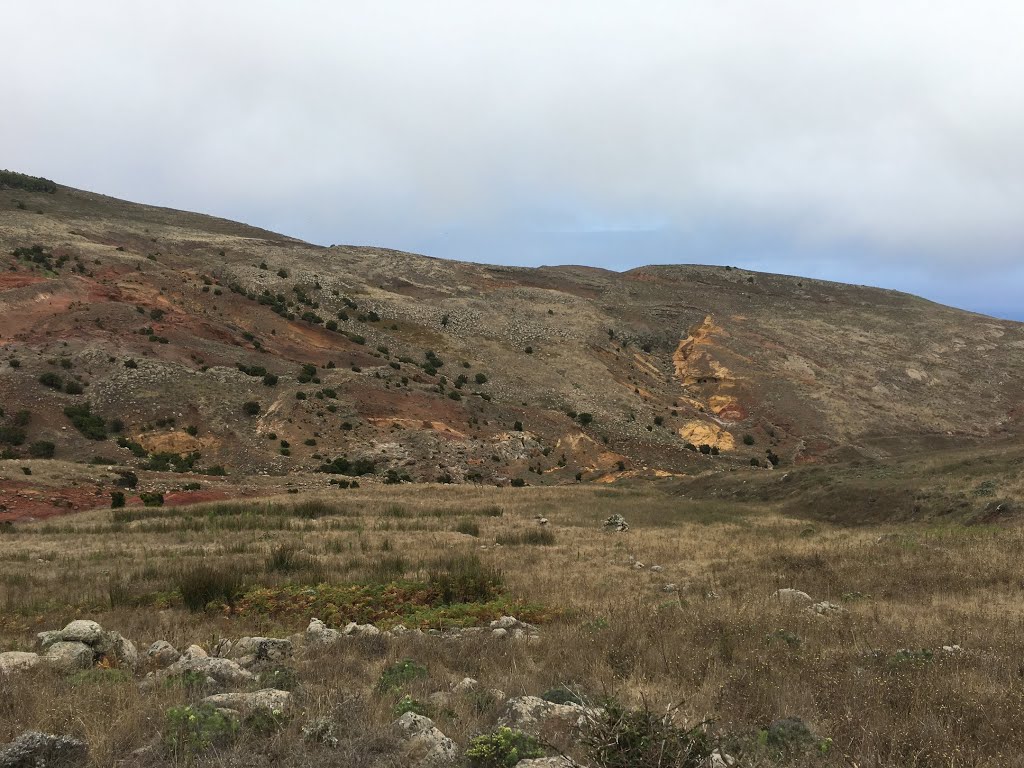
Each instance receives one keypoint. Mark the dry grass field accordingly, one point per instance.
(872, 683)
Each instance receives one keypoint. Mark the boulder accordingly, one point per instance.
(162, 653)
(792, 597)
(465, 685)
(267, 700)
(45, 639)
(194, 652)
(70, 656)
(115, 646)
(426, 746)
(718, 759)
(222, 671)
(82, 631)
(548, 762)
(530, 714)
(825, 608)
(17, 661)
(616, 523)
(33, 749)
(318, 632)
(269, 649)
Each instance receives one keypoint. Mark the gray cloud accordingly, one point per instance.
(872, 138)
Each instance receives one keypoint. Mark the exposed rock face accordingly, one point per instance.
(33, 749)
(426, 746)
(82, 631)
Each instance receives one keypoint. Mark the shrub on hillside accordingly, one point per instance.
(85, 421)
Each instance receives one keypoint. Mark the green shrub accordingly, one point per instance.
(85, 421)
(116, 499)
(41, 449)
(15, 180)
(408, 704)
(51, 380)
(748, 439)
(193, 729)
(152, 499)
(503, 748)
(619, 738)
(400, 674)
(73, 387)
(250, 408)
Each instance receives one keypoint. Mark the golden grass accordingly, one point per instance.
(717, 648)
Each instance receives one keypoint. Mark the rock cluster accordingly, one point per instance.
(616, 523)
(80, 645)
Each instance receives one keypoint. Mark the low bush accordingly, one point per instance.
(189, 730)
(398, 675)
(503, 748)
(85, 421)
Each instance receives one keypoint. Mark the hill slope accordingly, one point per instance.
(465, 372)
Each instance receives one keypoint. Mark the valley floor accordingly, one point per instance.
(913, 657)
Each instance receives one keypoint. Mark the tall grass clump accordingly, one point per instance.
(541, 537)
(465, 579)
(205, 584)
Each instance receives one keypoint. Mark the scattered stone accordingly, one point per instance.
(616, 523)
(639, 566)
(952, 649)
(426, 746)
(318, 632)
(656, 569)
(33, 749)
(466, 685)
(499, 633)
(17, 661)
(825, 608)
(222, 671)
(542, 521)
(548, 762)
(162, 653)
(719, 759)
(69, 656)
(790, 596)
(670, 588)
(268, 700)
(261, 649)
(194, 652)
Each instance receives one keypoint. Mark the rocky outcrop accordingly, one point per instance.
(425, 745)
(532, 714)
(33, 749)
(101, 644)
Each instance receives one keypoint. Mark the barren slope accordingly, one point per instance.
(659, 357)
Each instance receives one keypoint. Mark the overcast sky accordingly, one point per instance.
(870, 142)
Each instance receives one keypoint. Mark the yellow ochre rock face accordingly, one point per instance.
(698, 432)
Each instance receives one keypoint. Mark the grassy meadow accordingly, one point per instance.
(872, 684)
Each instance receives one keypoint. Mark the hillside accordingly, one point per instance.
(134, 337)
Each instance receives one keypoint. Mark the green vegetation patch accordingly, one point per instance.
(414, 604)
